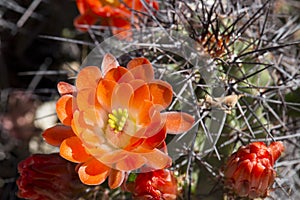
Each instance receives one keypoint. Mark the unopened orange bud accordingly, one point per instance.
(249, 172)
(155, 185)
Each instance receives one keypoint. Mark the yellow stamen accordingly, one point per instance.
(117, 119)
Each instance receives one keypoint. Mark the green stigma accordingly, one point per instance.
(117, 119)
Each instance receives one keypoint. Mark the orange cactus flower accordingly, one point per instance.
(48, 176)
(249, 172)
(113, 123)
(155, 185)
(114, 13)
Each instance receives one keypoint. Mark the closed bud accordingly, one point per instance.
(249, 172)
(48, 176)
(155, 185)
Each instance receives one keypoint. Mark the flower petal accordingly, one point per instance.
(276, 149)
(161, 93)
(98, 150)
(137, 83)
(123, 24)
(86, 99)
(78, 123)
(113, 156)
(155, 139)
(122, 140)
(131, 162)
(73, 150)
(83, 21)
(93, 172)
(57, 134)
(65, 88)
(255, 176)
(88, 77)
(178, 122)
(95, 117)
(140, 94)
(64, 109)
(121, 96)
(157, 159)
(119, 74)
(115, 178)
(144, 115)
(267, 175)
(243, 171)
(101, 9)
(82, 6)
(91, 138)
(104, 93)
(141, 68)
(109, 62)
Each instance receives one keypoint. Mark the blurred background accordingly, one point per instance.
(30, 67)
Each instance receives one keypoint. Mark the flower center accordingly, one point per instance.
(117, 119)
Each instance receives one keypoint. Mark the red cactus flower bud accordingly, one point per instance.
(155, 185)
(48, 176)
(249, 172)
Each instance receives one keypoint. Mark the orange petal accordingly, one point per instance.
(112, 157)
(93, 172)
(82, 6)
(82, 22)
(78, 122)
(104, 93)
(157, 159)
(88, 77)
(86, 98)
(137, 83)
(231, 167)
(139, 6)
(99, 149)
(72, 150)
(256, 173)
(121, 96)
(64, 109)
(161, 93)
(140, 94)
(123, 22)
(156, 124)
(264, 181)
(57, 134)
(93, 3)
(109, 62)
(135, 143)
(65, 88)
(178, 122)
(276, 149)
(163, 147)
(144, 114)
(101, 9)
(122, 140)
(115, 178)
(95, 117)
(243, 171)
(156, 139)
(123, 32)
(131, 162)
(91, 138)
(119, 74)
(141, 68)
